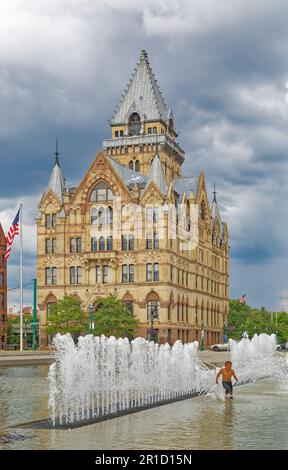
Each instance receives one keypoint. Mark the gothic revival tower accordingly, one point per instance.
(141, 122)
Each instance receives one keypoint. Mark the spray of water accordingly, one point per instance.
(103, 376)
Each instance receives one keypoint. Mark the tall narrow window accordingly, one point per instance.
(149, 272)
(156, 241)
(101, 244)
(47, 276)
(131, 165)
(72, 275)
(110, 215)
(78, 245)
(149, 241)
(54, 276)
(53, 220)
(98, 274)
(47, 221)
(105, 274)
(72, 245)
(47, 246)
(156, 272)
(155, 214)
(124, 273)
(101, 218)
(93, 216)
(93, 244)
(54, 244)
(131, 242)
(137, 165)
(109, 243)
(149, 212)
(79, 275)
(134, 124)
(131, 272)
(153, 309)
(124, 242)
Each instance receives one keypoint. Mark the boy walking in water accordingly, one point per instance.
(227, 373)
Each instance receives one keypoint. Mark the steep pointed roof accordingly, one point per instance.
(143, 94)
(128, 176)
(56, 181)
(215, 209)
(157, 175)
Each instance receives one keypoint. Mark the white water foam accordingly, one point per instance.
(102, 376)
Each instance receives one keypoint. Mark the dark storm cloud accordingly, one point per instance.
(222, 66)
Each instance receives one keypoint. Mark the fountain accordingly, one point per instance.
(105, 377)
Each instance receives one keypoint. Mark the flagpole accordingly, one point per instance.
(21, 277)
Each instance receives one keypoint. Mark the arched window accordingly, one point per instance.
(110, 215)
(101, 244)
(101, 218)
(101, 192)
(134, 124)
(137, 165)
(109, 243)
(131, 165)
(93, 244)
(153, 309)
(93, 216)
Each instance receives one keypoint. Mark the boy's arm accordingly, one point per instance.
(235, 376)
(218, 375)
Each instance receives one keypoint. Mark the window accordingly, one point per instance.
(155, 214)
(154, 130)
(101, 218)
(78, 245)
(49, 308)
(93, 216)
(137, 165)
(98, 274)
(72, 245)
(153, 309)
(105, 274)
(110, 215)
(72, 275)
(131, 272)
(124, 242)
(110, 243)
(116, 133)
(131, 165)
(47, 246)
(47, 276)
(149, 130)
(149, 213)
(53, 246)
(93, 244)
(149, 241)
(130, 305)
(54, 276)
(79, 275)
(53, 221)
(2, 301)
(131, 242)
(156, 241)
(124, 273)
(101, 192)
(47, 221)
(121, 133)
(134, 124)
(171, 273)
(101, 244)
(149, 272)
(156, 272)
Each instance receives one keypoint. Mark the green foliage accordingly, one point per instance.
(66, 317)
(113, 318)
(242, 317)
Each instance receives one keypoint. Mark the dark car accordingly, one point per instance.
(282, 346)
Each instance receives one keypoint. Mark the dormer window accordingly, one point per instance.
(101, 192)
(134, 124)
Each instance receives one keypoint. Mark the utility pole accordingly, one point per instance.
(91, 319)
(34, 313)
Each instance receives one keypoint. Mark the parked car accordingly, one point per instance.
(220, 347)
(282, 346)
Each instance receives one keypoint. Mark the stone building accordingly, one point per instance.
(3, 291)
(136, 228)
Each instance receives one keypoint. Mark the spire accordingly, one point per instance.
(157, 174)
(214, 206)
(56, 181)
(142, 95)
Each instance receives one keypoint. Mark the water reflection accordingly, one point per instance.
(256, 419)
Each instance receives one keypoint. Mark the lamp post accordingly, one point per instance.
(34, 313)
(153, 315)
(225, 335)
(91, 319)
(25, 334)
(202, 336)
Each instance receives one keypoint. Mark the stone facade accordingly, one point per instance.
(123, 230)
(3, 291)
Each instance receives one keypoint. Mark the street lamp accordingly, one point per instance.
(91, 319)
(225, 335)
(202, 336)
(153, 315)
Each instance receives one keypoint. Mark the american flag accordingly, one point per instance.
(242, 299)
(14, 230)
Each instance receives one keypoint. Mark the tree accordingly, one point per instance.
(113, 318)
(242, 318)
(66, 317)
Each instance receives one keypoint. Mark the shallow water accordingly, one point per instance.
(256, 419)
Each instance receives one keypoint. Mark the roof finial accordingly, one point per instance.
(57, 153)
(214, 193)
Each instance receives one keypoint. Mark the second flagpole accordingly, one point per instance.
(21, 277)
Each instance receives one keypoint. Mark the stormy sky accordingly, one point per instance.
(222, 67)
